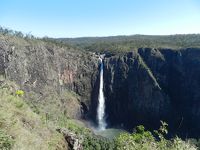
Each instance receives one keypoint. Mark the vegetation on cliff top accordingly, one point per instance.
(17, 37)
(117, 44)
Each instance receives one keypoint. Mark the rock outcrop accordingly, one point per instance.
(74, 142)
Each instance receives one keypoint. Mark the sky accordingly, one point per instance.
(86, 18)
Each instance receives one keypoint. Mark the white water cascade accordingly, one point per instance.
(101, 102)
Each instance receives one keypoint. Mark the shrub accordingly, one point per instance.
(19, 92)
(89, 140)
(6, 141)
(92, 142)
(19, 104)
(143, 140)
(140, 139)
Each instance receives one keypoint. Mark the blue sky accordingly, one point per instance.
(78, 18)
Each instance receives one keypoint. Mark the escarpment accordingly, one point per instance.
(133, 95)
(149, 85)
(179, 76)
(140, 87)
(49, 72)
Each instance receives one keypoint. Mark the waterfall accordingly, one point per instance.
(101, 101)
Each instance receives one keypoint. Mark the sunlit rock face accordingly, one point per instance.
(44, 68)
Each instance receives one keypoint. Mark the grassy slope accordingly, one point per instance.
(24, 128)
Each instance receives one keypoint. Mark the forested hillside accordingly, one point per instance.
(117, 44)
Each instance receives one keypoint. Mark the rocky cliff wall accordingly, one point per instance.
(49, 70)
(149, 85)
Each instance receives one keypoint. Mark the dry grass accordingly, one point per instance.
(24, 126)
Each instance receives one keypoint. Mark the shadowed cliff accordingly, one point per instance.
(148, 85)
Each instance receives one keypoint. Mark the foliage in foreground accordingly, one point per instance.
(6, 141)
(20, 127)
(140, 139)
(89, 140)
(143, 140)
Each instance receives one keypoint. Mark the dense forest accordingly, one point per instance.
(117, 44)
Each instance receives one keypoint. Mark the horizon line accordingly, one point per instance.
(103, 36)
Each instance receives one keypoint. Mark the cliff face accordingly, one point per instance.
(49, 70)
(133, 95)
(149, 85)
(140, 87)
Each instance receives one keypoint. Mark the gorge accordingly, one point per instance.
(149, 85)
(142, 86)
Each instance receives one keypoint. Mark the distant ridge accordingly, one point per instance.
(128, 43)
